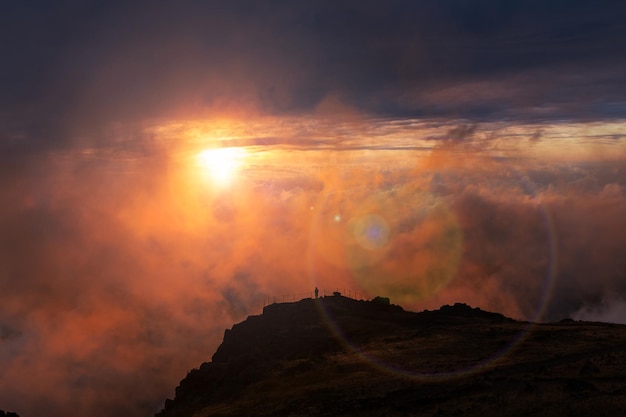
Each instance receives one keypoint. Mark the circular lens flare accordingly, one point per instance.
(370, 231)
(400, 226)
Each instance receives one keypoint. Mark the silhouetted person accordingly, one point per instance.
(317, 292)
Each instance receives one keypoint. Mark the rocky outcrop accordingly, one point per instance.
(460, 310)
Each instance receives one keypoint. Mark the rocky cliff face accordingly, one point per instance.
(341, 357)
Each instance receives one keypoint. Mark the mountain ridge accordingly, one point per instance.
(338, 356)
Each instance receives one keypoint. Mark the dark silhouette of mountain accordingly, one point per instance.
(336, 356)
(8, 414)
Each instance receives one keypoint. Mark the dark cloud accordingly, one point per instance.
(70, 67)
(461, 133)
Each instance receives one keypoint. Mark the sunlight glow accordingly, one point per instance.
(222, 164)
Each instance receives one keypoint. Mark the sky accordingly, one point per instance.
(167, 168)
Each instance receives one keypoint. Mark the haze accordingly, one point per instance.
(166, 167)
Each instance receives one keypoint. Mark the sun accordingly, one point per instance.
(221, 164)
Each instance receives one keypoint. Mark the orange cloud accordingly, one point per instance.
(122, 270)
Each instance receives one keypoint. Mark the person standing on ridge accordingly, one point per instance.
(316, 292)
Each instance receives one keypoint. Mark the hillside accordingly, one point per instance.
(336, 356)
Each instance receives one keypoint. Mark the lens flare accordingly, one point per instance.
(370, 231)
(406, 244)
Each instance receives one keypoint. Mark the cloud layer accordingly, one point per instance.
(121, 270)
